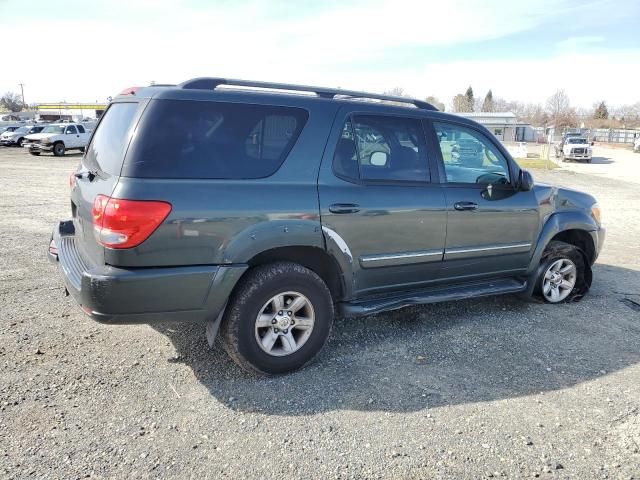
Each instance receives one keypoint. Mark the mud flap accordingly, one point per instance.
(213, 326)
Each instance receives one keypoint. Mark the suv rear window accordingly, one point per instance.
(191, 139)
(109, 143)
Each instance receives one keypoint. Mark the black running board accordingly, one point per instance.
(398, 300)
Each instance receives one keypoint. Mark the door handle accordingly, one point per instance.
(344, 208)
(462, 206)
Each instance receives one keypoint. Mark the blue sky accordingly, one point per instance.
(521, 50)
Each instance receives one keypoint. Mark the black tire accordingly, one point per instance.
(58, 149)
(82, 149)
(20, 142)
(256, 288)
(35, 153)
(557, 250)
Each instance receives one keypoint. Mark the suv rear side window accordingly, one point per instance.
(110, 140)
(382, 148)
(190, 139)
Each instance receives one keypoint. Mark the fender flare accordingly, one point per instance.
(337, 248)
(556, 223)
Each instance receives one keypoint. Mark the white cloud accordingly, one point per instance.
(124, 43)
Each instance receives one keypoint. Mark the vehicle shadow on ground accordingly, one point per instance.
(429, 356)
(594, 161)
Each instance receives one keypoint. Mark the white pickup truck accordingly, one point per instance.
(58, 138)
(574, 148)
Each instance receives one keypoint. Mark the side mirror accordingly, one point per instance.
(525, 181)
(379, 159)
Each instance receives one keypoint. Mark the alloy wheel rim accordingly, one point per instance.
(559, 280)
(284, 323)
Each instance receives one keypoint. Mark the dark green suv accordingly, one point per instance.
(265, 209)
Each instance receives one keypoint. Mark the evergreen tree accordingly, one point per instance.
(601, 112)
(470, 99)
(488, 105)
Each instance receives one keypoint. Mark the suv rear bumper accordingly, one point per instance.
(141, 295)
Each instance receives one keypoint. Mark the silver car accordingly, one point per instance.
(16, 137)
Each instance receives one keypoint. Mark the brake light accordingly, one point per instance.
(129, 91)
(120, 223)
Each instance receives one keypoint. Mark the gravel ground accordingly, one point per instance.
(485, 388)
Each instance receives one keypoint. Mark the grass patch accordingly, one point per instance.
(536, 163)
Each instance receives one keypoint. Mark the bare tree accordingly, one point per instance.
(461, 103)
(397, 92)
(560, 110)
(11, 101)
(435, 102)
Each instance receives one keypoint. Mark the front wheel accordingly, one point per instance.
(20, 142)
(58, 149)
(562, 273)
(278, 319)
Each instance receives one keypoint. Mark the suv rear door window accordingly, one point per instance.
(382, 148)
(110, 140)
(209, 140)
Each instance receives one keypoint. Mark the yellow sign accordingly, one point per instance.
(71, 106)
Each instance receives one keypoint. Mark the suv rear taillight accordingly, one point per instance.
(120, 223)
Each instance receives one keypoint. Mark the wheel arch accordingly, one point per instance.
(314, 258)
(572, 227)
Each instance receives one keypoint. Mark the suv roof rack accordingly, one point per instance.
(210, 83)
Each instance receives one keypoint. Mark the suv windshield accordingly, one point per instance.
(22, 130)
(577, 140)
(53, 129)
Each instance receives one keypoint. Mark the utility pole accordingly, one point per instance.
(22, 90)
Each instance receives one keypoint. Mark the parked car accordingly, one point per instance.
(9, 128)
(57, 138)
(17, 136)
(468, 151)
(576, 148)
(264, 213)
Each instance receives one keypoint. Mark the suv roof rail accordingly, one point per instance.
(210, 83)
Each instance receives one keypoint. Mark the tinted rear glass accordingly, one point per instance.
(190, 139)
(109, 143)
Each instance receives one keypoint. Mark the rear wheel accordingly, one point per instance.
(561, 274)
(58, 149)
(278, 318)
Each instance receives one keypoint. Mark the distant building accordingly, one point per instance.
(504, 125)
(51, 112)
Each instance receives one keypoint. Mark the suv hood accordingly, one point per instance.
(40, 136)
